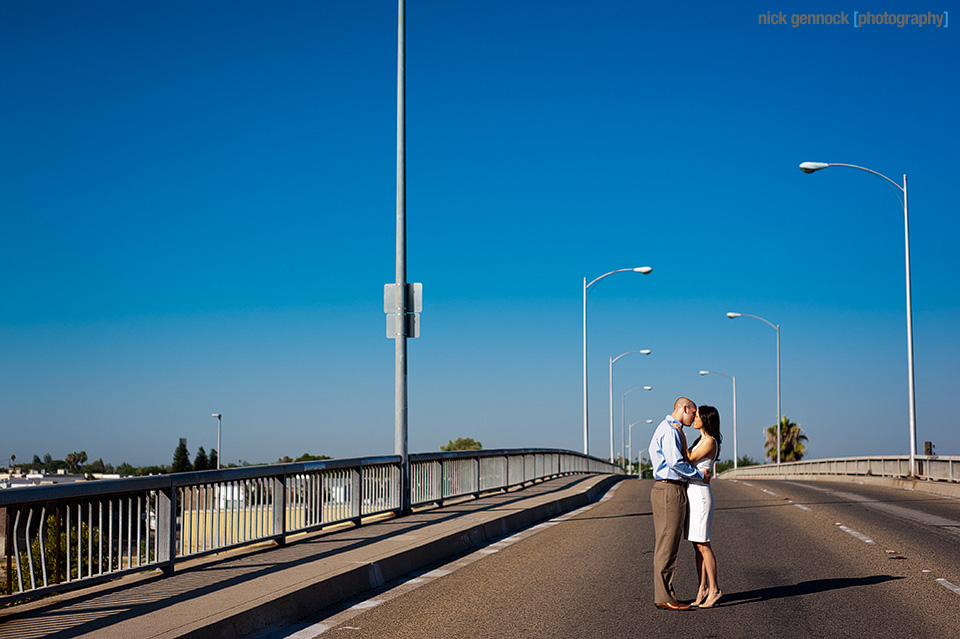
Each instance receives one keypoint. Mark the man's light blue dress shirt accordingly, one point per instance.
(666, 456)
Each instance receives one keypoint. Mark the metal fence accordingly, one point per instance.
(929, 467)
(61, 536)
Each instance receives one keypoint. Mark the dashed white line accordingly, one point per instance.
(949, 586)
(858, 535)
(950, 526)
(802, 507)
(768, 492)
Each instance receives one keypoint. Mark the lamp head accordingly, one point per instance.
(733, 315)
(649, 421)
(645, 351)
(810, 167)
(648, 388)
(704, 372)
(217, 415)
(642, 269)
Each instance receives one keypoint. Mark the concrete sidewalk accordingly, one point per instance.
(238, 594)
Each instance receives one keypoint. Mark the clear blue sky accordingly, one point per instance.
(197, 215)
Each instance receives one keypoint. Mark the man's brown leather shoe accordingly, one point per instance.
(673, 605)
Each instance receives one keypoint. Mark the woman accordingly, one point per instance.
(703, 455)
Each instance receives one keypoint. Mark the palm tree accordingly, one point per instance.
(792, 437)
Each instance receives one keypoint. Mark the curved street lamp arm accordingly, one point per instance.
(811, 167)
(716, 373)
(619, 270)
(863, 168)
(645, 351)
(768, 322)
(637, 388)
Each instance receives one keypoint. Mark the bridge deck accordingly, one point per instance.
(242, 593)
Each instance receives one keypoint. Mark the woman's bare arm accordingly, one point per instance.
(702, 449)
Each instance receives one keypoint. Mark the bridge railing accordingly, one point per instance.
(62, 536)
(929, 467)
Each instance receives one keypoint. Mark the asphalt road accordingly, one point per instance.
(796, 559)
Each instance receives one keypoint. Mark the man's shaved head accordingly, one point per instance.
(684, 410)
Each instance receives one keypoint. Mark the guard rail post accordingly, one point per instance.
(279, 485)
(167, 528)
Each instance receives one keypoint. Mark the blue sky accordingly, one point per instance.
(197, 209)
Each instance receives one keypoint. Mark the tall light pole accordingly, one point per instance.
(645, 351)
(402, 301)
(219, 453)
(623, 397)
(586, 290)
(732, 378)
(775, 327)
(810, 167)
(630, 445)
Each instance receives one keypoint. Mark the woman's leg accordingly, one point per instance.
(710, 572)
(702, 591)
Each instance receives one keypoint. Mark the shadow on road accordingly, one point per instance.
(802, 588)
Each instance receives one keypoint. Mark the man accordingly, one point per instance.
(668, 497)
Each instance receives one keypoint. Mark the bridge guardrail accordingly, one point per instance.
(63, 536)
(929, 467)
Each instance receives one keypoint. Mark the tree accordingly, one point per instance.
(181, 458)
(126, 469)
(308, 457)
(213, 459)
(200, 461)
(792, 437)
(727, 464)
(95, 467)
(75, 460)
(462, 443)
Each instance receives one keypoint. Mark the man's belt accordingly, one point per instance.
(674, 482)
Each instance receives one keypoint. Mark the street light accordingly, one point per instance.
(630, 445)
(733, 379)
(623, 397)
(219, 453)
(810, 167)
(775, 327)
(645, 351)
(586, 289)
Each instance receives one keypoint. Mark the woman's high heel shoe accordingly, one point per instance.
(701, 596)
(711, 600)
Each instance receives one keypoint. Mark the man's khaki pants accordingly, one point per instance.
(669, 502)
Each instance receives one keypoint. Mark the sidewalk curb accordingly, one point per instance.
(308, 600)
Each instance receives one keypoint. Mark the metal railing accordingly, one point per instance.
(929, 467)
(61, 536)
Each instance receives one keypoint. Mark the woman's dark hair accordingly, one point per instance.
(711, 424)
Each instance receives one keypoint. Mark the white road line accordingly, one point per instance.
(802, 507)
(858, 535)
(310, 631)
(764, 490)
(949, 586)
(951, 526)
(336, 621)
